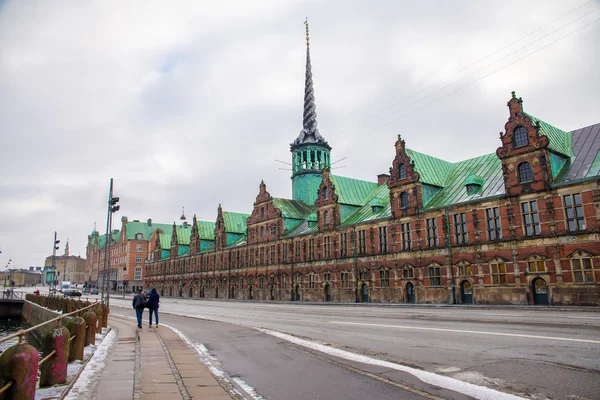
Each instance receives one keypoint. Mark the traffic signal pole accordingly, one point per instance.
(54, 248)
(112, 208)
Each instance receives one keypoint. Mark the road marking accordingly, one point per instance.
(584, 317)
(465, 331)
(470, 389)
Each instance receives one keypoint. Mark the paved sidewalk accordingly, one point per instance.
(154, 363)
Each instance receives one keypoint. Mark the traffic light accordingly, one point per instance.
(112, 204)
(56, 242)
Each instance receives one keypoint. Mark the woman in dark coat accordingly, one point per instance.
(152, 305)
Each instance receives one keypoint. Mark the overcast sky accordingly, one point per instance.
(188, 103)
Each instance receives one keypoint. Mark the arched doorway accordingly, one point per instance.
(191, 294)
(181, 292)
(250, 292)
(327, 292)
(466, 292)
(272, 293)
(201, 294)
(297, 293)
(364, 291)
(162, 292)
(171, 292)
(216, 292)
(232, 292)
(540, 292)
(410, 293)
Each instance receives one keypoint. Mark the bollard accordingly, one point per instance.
(19, 363)
(99, 312)
(104, 316)
(76, 328)
(91, 320)
(54, 370)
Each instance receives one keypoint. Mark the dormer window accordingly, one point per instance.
(525, 173)
(326, 217)
(403, 200)
(520, 138)
(473, 183)
(139, 236)
(326, 193)
(401, 171)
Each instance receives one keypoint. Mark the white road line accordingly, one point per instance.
(465, 331)
(584, 317)
(470, 389)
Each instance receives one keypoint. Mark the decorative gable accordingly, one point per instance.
(524, 152)
(220, 233)
(174, 245)
(404, 185)
(266, 222)
(328, 209)
(194, 237)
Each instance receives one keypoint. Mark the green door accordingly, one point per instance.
(540, 292)
(410, 293)
(365, 293)
(466, 292)
(327, 293)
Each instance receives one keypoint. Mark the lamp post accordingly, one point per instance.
(54, 248)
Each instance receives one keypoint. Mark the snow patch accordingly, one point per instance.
(478, 392)
(91, 374)
(247, 388)
(447, 370)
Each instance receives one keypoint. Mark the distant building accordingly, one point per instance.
(20, 277)
(66, 268)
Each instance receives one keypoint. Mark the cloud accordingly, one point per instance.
(190, 104)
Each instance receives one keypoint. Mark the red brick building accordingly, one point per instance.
(516, 226)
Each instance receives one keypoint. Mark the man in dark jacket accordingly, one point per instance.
(139, 302)
(152, 305)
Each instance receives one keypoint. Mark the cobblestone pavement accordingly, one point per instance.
(154, 363)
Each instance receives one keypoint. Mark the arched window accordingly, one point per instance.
(403, 200)
(326, 216)
(262, 231)
(262, 212)
(401, 171)
(520, 137)
(326, 193)
(525, 172)
(139, 236)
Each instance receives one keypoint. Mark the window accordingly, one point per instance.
(498, 271)
(326, 193)
(363, 275)
(583, 271)
(525, 173)
(401, 171)
(298, 278)
(326, 276)
(408, 273)
(311, 249)
(272, 254)
(262, 256)
(384, 276)
(473, 188)
(531, 221)
(537, 266)
(520, 137)
(138, 247)
(406, 236)
(383, 244)
(284, 256)
(492, 216)
(138, 259)
(435, 276)
(137, 274)
(327, 247)
(297, 251)
(432, 236)
(460, 228)
(262, 212)
(283, 280)
(262, 231)
(574, 212)
(343, 244)
(312, 280)
(362, 242)
(261, 282)
(403, 200)
(273, 230)
(345, 278)
(464, 270)
(326, 217)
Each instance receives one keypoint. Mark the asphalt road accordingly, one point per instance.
(532, 353)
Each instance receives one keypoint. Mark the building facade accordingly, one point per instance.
(516, 226)
(66, 268)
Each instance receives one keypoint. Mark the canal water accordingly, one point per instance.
(8, 327)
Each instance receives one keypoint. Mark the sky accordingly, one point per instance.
(189, 103)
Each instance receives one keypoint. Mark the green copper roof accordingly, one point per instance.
(486, 167)
(183, 250)
(560, 141)
(239, 240)
(378, 198)
(431, 170)
(116, 235)
(206, 230)
(352, 191)
(474, 180)
(183, 234)
(165, 241)
(291, 208)
(235, 222)
(135, 227)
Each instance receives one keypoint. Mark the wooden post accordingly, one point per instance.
(76, 328)
(54, 371)
(92, 321)
(19, 364)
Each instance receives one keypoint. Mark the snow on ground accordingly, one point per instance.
(91, 374)
(478, 392)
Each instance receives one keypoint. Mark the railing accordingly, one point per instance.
(9, 294)
(70, 350)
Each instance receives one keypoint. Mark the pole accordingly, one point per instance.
(54, 262)
(105, 284)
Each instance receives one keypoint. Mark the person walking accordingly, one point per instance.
(152, 305)
(139, 302)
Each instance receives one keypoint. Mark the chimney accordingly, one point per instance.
(382, 178)
(149, 222)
